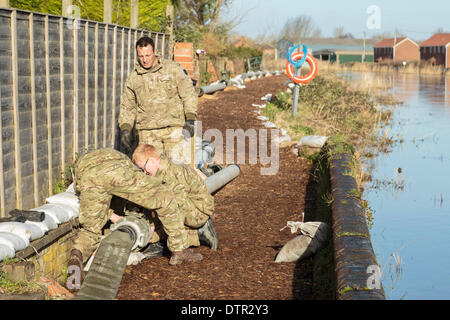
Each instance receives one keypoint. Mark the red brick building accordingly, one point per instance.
(436, 50)
(396, 50)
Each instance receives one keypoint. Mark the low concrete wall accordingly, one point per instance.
(354, 259)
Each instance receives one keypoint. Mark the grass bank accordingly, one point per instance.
(352, 115)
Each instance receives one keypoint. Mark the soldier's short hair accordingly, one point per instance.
(145, 41)
(145, 151)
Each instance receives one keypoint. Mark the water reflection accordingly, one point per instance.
(409, 191)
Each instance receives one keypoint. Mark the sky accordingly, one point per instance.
(415, 19)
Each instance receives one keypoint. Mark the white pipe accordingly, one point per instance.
(221, 178)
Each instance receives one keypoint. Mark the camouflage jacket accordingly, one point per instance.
(108, 160)
(159, 97)
(186, 184)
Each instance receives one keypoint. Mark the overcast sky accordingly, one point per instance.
(414, 18)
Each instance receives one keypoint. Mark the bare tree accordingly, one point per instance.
(296, 28)
(338, 32)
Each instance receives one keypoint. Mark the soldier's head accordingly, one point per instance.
(146, 52)
(146, 158)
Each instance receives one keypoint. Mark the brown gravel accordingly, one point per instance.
(250, 211)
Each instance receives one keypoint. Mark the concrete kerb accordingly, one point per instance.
(354, 258)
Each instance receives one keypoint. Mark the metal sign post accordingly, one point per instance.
(296, 89)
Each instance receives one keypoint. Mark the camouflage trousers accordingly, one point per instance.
(95, 199)
(171, 142)
(193, 220)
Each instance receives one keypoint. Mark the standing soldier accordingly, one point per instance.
(161, 99)
(105, 172)
(195, 202)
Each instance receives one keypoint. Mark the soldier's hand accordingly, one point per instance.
(125, 140)
(189, 128)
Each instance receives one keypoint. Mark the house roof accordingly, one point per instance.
(439, 39)
(389, 42)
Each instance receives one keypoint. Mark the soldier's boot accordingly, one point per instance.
(186, 255)
(154, 250)
(207, 235)
(75, 271)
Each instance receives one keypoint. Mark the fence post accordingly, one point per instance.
(169, 30)
(107, 11)
(62, 93)
(33, 111)
(105, 83)
(15, 103)
(134, 14)
(48, 101)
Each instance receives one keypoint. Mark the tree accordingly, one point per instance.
(195, 19)
(152, 13)
(338, 32)
(298, 27)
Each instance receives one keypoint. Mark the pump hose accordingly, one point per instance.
(105, 274)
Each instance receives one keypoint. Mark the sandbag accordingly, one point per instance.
(41, 225)
(6, 252)
(59, 213)
(36, 231)
(313, 141)
(67, 198)
(314, 236)
(18, 242)
(18, 228)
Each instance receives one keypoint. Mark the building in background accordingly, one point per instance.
(396, 50)
(436, 50)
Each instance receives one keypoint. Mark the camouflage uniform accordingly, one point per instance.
(106, 172)
(159, 99)
(195, 202)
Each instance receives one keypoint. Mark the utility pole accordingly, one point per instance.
(364, 47)
(134, 14)
(66, 4)
(107, 11)
(169, 29)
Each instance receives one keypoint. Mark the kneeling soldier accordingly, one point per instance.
(105, 172)
(196, 204)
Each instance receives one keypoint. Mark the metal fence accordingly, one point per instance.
(60, 86)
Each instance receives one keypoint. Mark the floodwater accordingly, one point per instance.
(409, 193)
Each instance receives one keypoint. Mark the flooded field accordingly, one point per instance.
(409, 193)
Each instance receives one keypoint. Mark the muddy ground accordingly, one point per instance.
(250, 211)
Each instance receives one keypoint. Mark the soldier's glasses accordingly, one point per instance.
(143, 168)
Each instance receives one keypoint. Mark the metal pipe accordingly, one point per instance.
(221, 178)
(213, 88)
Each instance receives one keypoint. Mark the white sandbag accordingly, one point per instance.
(67, 198)
(314, 236)
(8, 243)
(313, 141)
(18, 228)
(6, 252)
(267, 97)
(269, 124)
(40, 225)
(59, 213)
(263, 118)
(36, 231)
(18, 242)
(71, 188)
(50, 222)
(73, 211)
